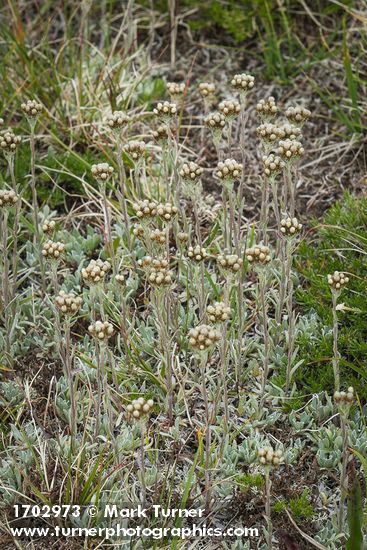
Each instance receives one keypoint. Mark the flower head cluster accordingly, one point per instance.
(267, 108)
(48, 227)
(197, 253)
(206, 89)
(120, 279)
(229, 170)
(160, 277)
(298, 115)
(337, 280)
(290, 149)
(138, 230)
(269, 133)
(117, 120)
(203, 337)
(273, 165)
(103, 330)
(290, 131)
(165, 110)
(268, 457)
(218, 312)
(95, 271)
(136, 149)
(176, 89)
(9, 142)
(167, 211)
(53, 250)
(139, 407)
(147, 261)
(32, 108)
(159, 237)
(344, 398)
(182, 237)
(8, 197)
(258, 255)
(191, 172)
(229, 262)
(102, 171)
(243, 82)
(161, 134)
(145, 209)
(68, 304)
(158, 270)
(290, 226)
(229, 108)
(215, 121)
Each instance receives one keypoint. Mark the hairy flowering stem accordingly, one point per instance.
(37, 239)
(264, 210)
(108, 229)
(142, 461)
(336, 282)
(100, 354)
(343, 473)
(291, 313)
(275, 201)
(344, 401)
(336, 354)
(5, 286)
(15, 258)
(121, 192)
(204, 360)
(224, 365)
(54, 264)
(264, 315)
(68, 362)
(162, 304)
(268, 509)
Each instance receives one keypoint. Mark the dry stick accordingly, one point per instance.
(343, 474)
(336, 354)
